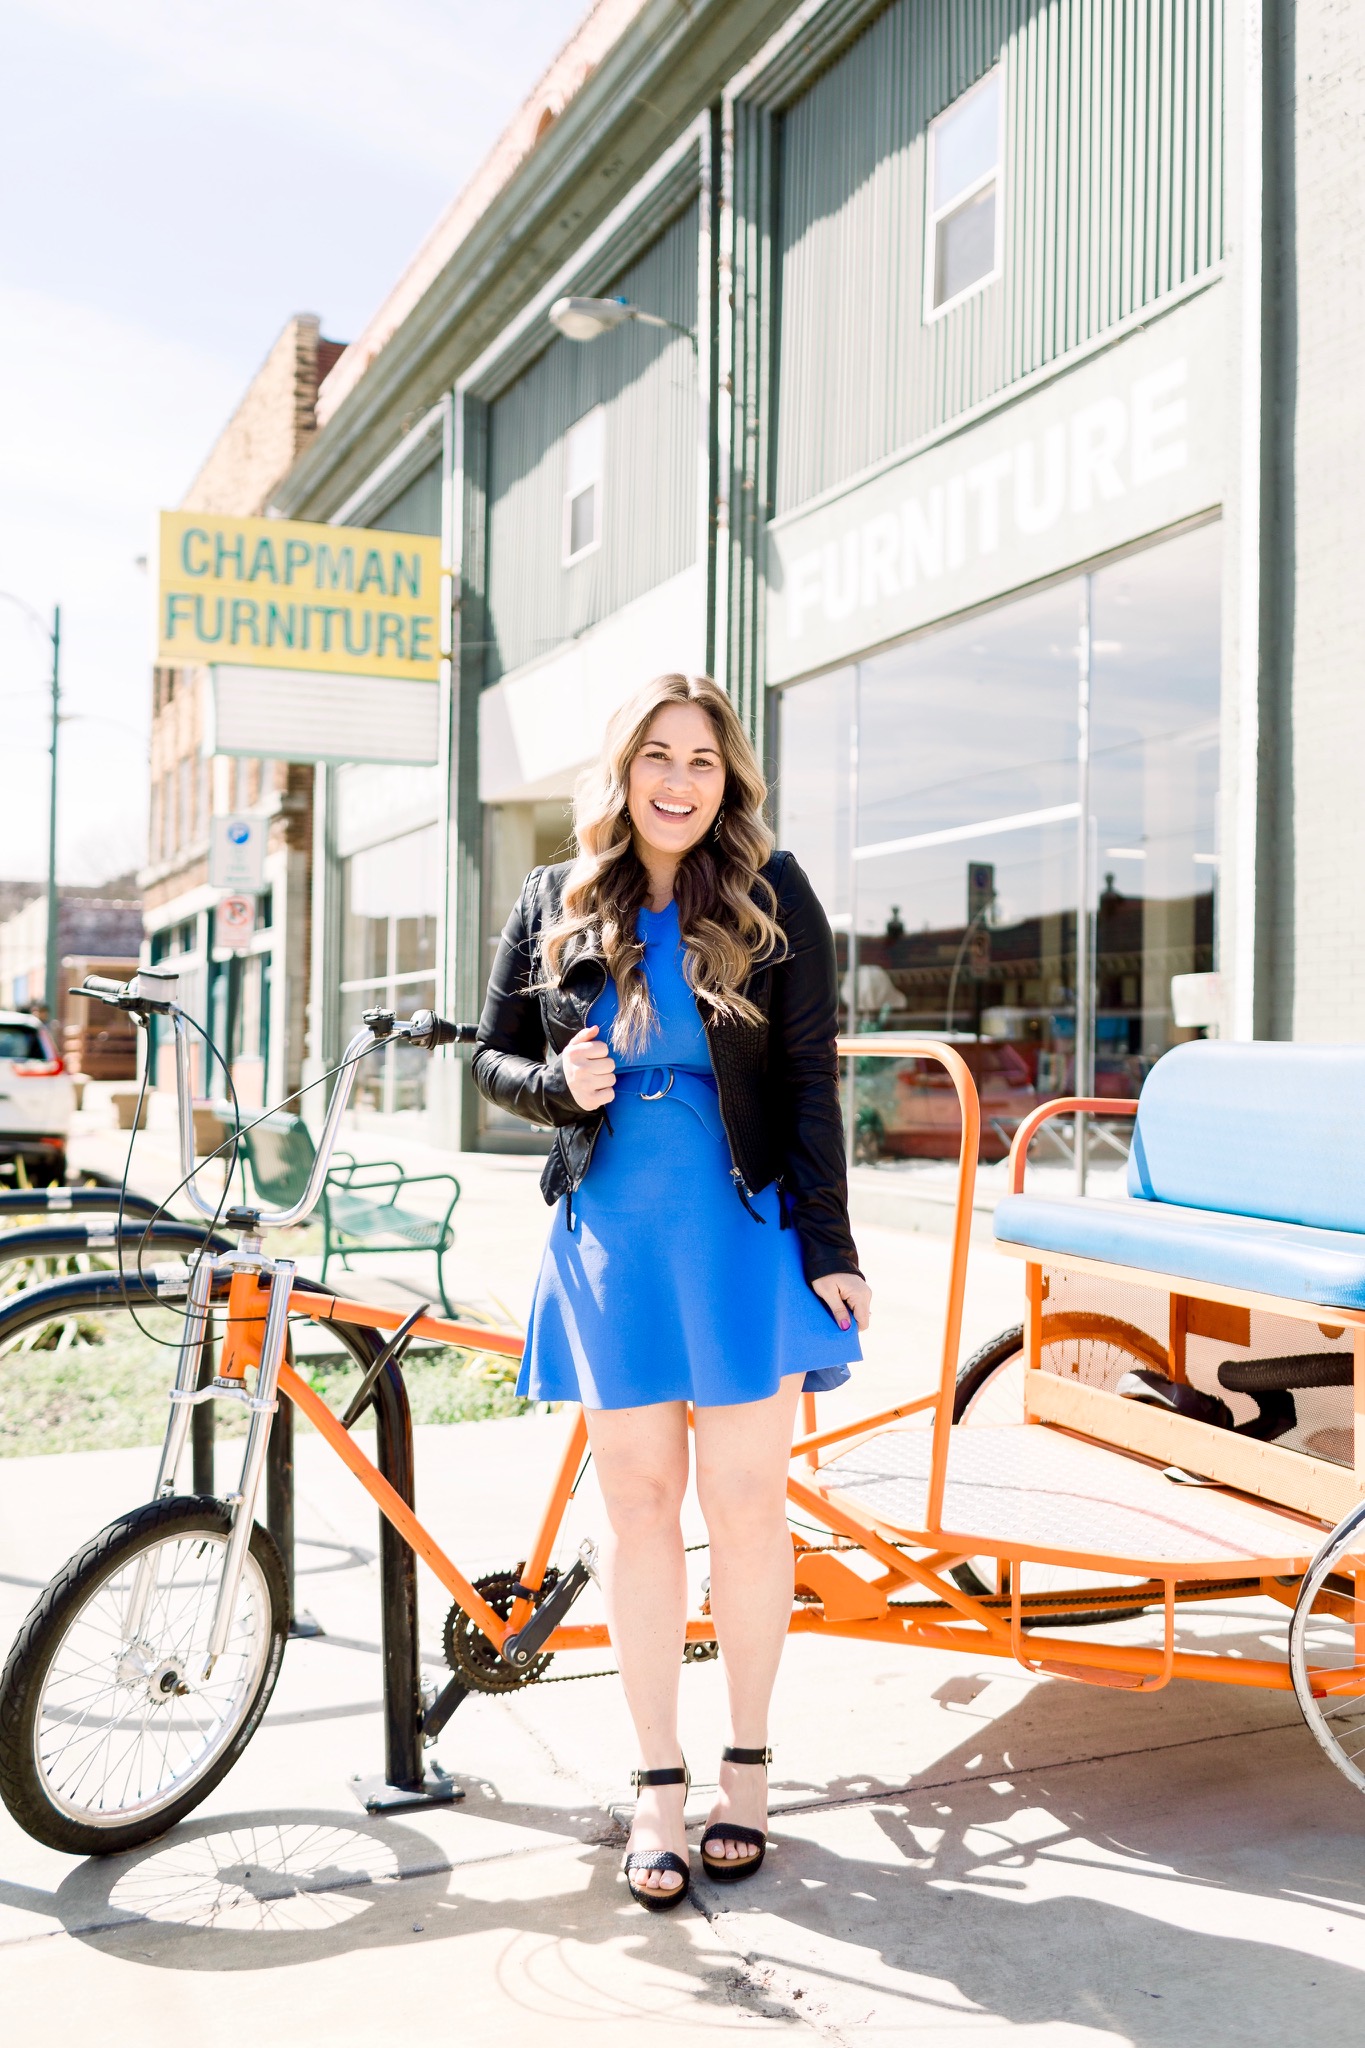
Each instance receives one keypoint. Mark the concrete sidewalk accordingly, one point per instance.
(962, 1853)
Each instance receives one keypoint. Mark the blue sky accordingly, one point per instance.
(176, 178)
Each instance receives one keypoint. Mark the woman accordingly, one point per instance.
(667, 1002)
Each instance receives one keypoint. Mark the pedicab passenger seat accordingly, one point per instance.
(1247, 1171)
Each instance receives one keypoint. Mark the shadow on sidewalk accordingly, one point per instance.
(1207, 1891)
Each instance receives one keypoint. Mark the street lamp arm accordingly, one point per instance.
(659, 320)
(35, 618)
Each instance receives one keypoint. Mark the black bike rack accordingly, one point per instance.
(95, 1201)
(406, 1783)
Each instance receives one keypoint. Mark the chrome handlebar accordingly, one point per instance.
(151, 992)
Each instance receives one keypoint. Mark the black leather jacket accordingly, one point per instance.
(778, 1081)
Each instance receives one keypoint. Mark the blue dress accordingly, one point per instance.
(665, 1288)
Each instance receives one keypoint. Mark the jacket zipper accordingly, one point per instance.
(742, 1188)
(576, 1182)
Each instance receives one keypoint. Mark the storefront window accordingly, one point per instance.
(935, 795)
(239, 1024)
(517, 838)
(390, 901)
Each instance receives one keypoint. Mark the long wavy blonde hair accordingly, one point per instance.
(727, 911)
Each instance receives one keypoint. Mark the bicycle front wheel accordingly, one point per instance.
(109, 1731)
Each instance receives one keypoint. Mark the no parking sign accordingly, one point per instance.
(234, 921)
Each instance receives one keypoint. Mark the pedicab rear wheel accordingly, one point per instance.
(1092, 1348)
(1327, 1647)
(1079, 1345)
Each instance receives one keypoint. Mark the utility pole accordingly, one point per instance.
(54, 634)
(53, 907)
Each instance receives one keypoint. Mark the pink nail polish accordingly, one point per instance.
(844, 1324)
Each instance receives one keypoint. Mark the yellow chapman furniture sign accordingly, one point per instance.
(282, 594)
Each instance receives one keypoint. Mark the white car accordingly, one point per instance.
(37, 1101)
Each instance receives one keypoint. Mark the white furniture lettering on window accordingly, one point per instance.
(585, 447)
(962, 245)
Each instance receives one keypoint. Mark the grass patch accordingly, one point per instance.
(97, 1384)
(444, 1385)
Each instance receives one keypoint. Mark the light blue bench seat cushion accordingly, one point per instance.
(1263, 1129)
(1297, 1262)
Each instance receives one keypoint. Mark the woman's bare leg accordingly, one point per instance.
(742, 1458)
(640, 1456)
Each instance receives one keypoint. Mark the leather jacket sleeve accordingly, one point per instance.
(804, 1023)
(513, 1065)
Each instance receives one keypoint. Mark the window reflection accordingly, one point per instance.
(954, 901)
(1154, 738)
(390, 896)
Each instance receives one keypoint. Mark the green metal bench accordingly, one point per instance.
(356, 1223)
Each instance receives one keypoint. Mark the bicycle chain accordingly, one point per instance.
(571, 1677)
(498, 1590)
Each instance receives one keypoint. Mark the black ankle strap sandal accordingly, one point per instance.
(648, 1896)
(729, 1869)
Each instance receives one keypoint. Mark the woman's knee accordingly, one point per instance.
(643, 1506)
(744, 1516)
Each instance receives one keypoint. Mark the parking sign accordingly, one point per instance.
(234, 921)
(237, 852)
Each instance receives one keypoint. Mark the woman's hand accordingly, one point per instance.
(846, 1295)
(589, 1070)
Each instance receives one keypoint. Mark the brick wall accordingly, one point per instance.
(270, 426)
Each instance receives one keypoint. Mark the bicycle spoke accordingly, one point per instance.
(116, 1732)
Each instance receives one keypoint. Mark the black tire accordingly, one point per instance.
(23, 1785)
(972, 1376)
(974, 1372)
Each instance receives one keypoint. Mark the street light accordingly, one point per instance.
(585, 319)
(54, 635)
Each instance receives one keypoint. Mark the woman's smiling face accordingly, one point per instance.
(677, 780)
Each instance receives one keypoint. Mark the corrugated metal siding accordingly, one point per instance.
(417, 508)
(751, 422)
(646, 378)
(1112, 196)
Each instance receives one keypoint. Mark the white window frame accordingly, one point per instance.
(933, 214)
(596, 482)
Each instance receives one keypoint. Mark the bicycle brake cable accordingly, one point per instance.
(232, 1141)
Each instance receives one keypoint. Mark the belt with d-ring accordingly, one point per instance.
(695, 1091)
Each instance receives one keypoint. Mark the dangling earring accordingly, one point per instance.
(715, 829)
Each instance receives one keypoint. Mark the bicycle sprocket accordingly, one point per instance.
(468, 1651)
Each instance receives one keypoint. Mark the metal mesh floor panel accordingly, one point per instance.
(1037, 1490)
